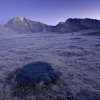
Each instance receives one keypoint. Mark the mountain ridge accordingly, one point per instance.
(26, 25)
(70, 25)
(76, 24)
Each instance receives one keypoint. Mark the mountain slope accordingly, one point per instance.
(26, 25)
(4, 30)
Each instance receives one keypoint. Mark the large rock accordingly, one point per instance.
(87, 95)
(36, 73)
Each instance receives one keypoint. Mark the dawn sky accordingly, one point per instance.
(49, 11)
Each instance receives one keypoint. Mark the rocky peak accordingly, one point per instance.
(17, 19)
(26, 25)
(61, 23)
(81, 20)
(73, 20)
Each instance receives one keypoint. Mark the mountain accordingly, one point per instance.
(4, 30)
(61, 27)
(26, 25)
(76, 24)
(70, 25)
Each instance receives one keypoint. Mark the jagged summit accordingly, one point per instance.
(26, 25)
(16, 19)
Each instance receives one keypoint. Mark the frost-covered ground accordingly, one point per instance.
(76, 57)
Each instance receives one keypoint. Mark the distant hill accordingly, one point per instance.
(70, 25)
(4, 30)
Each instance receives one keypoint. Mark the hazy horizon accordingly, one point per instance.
(50, 12)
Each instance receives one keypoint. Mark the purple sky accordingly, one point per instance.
(49, 11)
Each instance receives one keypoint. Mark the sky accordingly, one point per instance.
(50, 12)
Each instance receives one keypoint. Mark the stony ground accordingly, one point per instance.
(76, 57)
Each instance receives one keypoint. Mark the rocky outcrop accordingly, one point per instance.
(89, 23)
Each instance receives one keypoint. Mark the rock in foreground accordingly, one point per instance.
(36, 73)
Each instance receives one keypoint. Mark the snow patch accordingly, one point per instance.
(21, 19)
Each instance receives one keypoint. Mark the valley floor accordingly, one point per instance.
(76, 57)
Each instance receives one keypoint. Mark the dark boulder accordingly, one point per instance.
(36, 73)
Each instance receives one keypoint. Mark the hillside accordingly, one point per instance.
(4, 30)
(26, 25)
